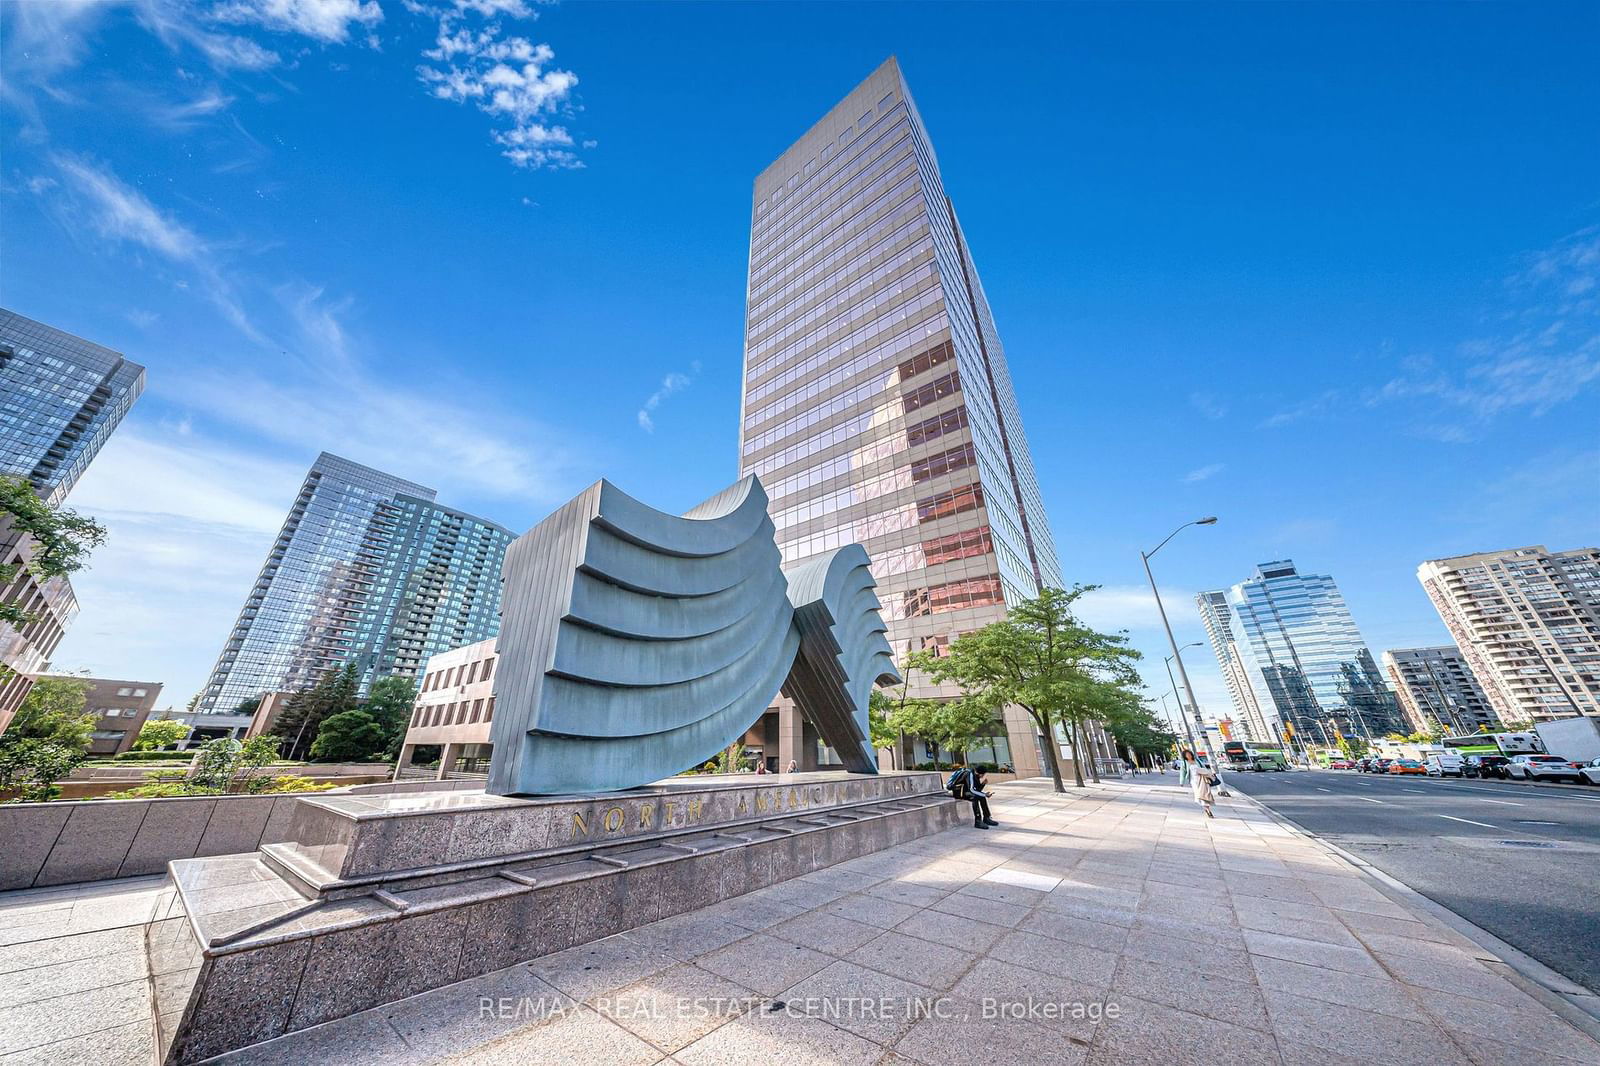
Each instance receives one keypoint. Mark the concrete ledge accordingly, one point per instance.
(243, 957)
(74, 841)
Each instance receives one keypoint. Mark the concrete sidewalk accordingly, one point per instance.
(1111, 925)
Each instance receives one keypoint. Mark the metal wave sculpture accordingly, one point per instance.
(635, 644)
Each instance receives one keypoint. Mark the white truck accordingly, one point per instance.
(1576, 739)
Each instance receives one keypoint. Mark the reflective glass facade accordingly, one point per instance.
(1255, 725)
(877, 404)
(60, 398)
(367, 568)
(1305, 659)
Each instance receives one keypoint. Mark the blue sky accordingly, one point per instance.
(1331, 273)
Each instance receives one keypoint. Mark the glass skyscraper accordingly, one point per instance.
(877, 404)
(1257, 726)
(367, 569)
(1303, 656)
(60, 398)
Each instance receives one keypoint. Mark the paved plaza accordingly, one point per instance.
(1111, 925)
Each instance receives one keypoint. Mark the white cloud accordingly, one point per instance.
(186, 114)
(448, 434)
(1208, 405)
(509, 77)
(514, 8)
(120, 212)
(1202, 473)
(189, 523)
(123, 213)
(1548, 356)
(329, 21)
(174, 24)
(1314, 406)
(43, 39)
(673, 382)
(1133, 607)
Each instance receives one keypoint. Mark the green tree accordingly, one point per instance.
(62, 540)
(1353, 747)
(334, 693)
(884, 734)
(950, 725)
(32, 767)
(158, 733)
(1042, 659)
(227, 765)
(348, 736)
(1139, 731)
(53, 711)
(390, 702)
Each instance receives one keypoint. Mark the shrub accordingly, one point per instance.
(160, 733)
(294, 783)
(346, 736)
(164, 787)
(32, 767)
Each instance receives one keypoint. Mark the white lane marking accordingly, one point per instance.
(1321, 789)
(1414, 791)
(1364, 799)
(1556, 794)
(1508, 803)
(1469, 821)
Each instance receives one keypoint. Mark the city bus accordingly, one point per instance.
(1243, 756)
(1494, 744)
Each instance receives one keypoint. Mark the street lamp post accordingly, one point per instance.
(1188, 730)
(1145, 557)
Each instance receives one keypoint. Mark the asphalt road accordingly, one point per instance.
(1454, 841)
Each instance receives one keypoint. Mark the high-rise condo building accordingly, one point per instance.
(1528, 622)
(1435, 685)
(877, 405)
(1303, 656)
(366, 569)
(1255, 724)
(60, 398)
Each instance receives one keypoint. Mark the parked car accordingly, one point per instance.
(1542, 768)
(1485, 766)
(1381, 766)
(1407, 766)
(1340, 764)
(1444, 764)
(1590, 775)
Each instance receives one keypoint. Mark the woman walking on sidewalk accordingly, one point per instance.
(1199, 781)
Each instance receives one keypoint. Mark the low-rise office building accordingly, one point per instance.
(455, 704)
(121, 707)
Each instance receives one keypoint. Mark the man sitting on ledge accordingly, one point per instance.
(968, 783)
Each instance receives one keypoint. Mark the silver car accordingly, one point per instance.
(1590, 774)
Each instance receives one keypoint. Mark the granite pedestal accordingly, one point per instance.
(378, 897)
